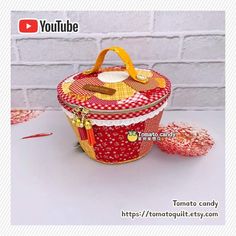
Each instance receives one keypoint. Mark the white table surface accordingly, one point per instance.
(55, 183)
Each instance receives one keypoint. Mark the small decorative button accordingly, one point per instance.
(89, 71)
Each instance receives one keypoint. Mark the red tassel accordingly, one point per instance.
(81, 129)
(91, 137)
(90, 133)
(82, 133)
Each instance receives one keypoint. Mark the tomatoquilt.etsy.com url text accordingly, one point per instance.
(211, 212)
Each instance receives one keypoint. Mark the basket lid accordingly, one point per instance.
(114, 88)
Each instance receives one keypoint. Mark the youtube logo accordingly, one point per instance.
(28, 26)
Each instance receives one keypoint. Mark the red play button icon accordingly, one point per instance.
(28, 26)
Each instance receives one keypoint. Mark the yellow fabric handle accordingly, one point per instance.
(124, 56)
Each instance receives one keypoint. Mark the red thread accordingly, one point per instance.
(37, 135)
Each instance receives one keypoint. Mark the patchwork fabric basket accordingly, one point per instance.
(110, 108)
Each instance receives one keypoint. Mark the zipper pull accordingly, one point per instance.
(79, 123)
(81, 127)
(75, 120)
(89, 131)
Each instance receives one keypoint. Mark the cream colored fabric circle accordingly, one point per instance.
(113, 76)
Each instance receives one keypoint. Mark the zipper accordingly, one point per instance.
(84, 111)
(85, 126)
